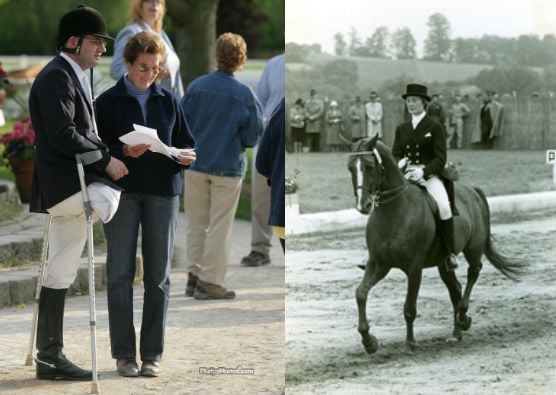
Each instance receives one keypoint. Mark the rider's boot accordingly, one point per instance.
(448, 237)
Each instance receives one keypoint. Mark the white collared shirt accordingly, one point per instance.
(81, 76)
(415, 119)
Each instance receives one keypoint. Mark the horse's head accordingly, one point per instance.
(367, 172)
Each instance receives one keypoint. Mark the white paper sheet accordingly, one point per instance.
(145, 135)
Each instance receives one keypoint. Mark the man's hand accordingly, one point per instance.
(116, 169)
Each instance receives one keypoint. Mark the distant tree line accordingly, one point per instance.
(525, 50)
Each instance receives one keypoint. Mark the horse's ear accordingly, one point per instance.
(369, 143)
(372, 142)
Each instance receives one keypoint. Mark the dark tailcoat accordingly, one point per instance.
(62, 119)
(425, 145)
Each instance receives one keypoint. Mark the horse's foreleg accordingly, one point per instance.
(475, 266)
(373, 274)
(454, 288)
(410, 306)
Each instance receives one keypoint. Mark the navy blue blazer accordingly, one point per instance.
(270, 162)
(62, 119)
(426, 145)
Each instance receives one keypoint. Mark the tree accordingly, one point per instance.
(340, 45)
(378, 43)
(437, 43)
(403, 44)
(241, 17)
(354, 42)
(194, 24)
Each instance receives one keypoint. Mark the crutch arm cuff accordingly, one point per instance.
(99, 166)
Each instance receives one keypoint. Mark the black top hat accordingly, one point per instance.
(416, 90)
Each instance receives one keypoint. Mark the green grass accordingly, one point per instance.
(325, 183)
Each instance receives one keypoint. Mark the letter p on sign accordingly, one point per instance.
(551, 156)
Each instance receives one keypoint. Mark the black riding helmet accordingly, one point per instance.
(80, 22)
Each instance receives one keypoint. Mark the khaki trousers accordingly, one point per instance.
(210, 206)
(261, 232)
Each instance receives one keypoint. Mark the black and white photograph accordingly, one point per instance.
(420, 197)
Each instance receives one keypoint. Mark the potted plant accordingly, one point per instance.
(20, 152)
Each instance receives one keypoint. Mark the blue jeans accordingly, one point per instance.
(157, 216)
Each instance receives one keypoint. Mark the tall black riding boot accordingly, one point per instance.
(52, 364)
(448, 237)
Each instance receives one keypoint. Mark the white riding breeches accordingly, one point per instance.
(68, 232)
(437, 190)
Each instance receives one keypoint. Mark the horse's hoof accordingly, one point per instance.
(453, 339)
(412, 346)
(370, 344)
(465, 323)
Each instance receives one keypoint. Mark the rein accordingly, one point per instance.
(384, 197)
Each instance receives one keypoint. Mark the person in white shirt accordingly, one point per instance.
(373, 109)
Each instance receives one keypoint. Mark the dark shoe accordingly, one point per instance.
(208, 291)
(191, 284)
(127, 367)
(451, 263)
(150, 369)
(255, 258)
(60, 368)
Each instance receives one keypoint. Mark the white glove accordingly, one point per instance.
(415, 174)
(402, 163)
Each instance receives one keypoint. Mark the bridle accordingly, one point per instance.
(376, 195)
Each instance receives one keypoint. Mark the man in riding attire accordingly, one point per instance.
(420, 148)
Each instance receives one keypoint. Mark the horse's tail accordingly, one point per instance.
(508, 267)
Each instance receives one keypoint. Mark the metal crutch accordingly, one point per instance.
(40, 278)
(86, 159)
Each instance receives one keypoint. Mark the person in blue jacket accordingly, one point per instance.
(225, 117)
(270, 162)
(150, 201)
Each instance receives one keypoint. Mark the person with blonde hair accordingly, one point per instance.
(225, 118)
(147, 15)
(149, 201)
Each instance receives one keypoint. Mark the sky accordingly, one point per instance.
(317, 21)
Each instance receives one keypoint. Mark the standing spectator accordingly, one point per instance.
(297, 125)
(435, 110)
(270, 162)
(489, 121)
(148, 15)
(62, 114)
(214, 180)
(357, 117)
(314, 108)
(460, 111)
(150, 201)
(374, 116)
(270, 90)
(334, 126)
